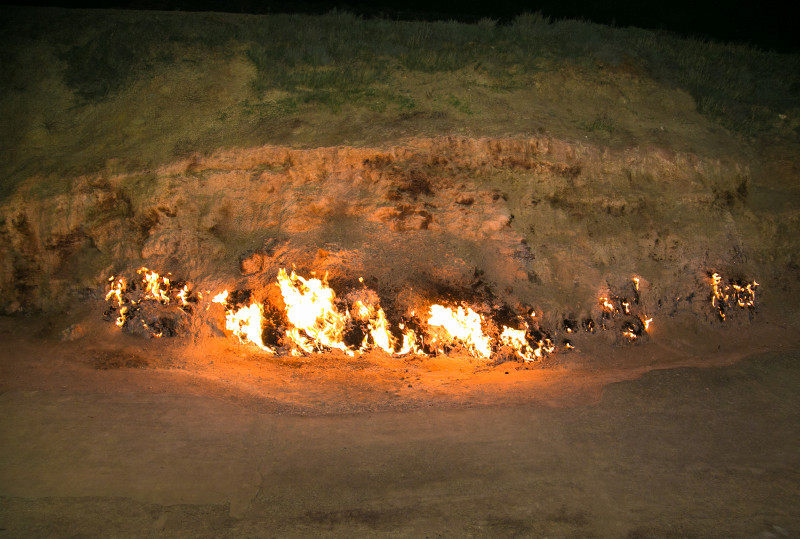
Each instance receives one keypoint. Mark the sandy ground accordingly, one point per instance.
(99, 440)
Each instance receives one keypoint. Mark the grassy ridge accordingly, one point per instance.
(340, 58)
(339, 61)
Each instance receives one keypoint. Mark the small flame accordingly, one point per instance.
(741, 294)
(379, 334)
(647, 323)
(517, 340)
(410, 341)
(117, 288)
(156, 287)
(628, 332)
(245, 322)
(183, 295)
(607, 306)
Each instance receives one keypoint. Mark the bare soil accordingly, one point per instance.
(112, 437)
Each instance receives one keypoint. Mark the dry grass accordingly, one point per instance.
(71, 76)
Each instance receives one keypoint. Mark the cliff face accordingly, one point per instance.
(531, 168)
(532, 223)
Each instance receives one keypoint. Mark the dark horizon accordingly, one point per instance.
(766, 25)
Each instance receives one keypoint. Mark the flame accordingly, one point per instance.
(463, 326)
(379, 334)
(628, 332)
(156, 287)
(515, 339)
(410, 341)
(117, 288)
(183, 295)
(316, 321)
(607, 306)
(310, 309)
(246, 323)
(741, 294)
(123, 317)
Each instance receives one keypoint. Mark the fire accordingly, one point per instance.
(135, 300)
(462, 326)
(410, 340)
(156, 286)
(314, 320)
(246, 323)
(608, 307)
(222, 298)
(740, 294)
(517, 340)
(310, 309)
(379, 334)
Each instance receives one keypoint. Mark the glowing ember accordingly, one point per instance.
(463, 326)
(740, 294)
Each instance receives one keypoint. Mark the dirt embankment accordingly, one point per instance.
(507, 225)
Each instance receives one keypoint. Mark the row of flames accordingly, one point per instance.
(315, 324)
(313, 320)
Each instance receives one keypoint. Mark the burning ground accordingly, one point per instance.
(497, 252)
(559, 259)
(538, 195)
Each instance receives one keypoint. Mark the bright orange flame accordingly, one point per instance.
(743, 295)
(311, 311)
(153, 285)
(463, 325)
(516, 339)
(246, 323)
(379, 334)
(606, 305)
(410, 341)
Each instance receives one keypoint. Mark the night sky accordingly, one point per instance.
(768, 25)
